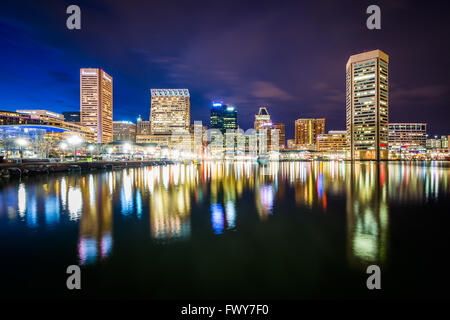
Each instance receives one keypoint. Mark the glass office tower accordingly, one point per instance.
(367, 105)
(223, 117)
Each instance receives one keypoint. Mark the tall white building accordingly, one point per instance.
(367, 105)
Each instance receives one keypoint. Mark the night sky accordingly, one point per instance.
(289, 55)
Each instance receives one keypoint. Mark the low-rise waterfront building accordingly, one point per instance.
(407, 137)
(433, 144)
(56, 128)
(333, 142)
(291, 144)
(39, 134)
(143, 127)
(42, 114)
(16, 118)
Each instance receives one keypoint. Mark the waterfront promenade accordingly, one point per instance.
(25, 168)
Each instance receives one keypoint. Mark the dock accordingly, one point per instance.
(31, 168)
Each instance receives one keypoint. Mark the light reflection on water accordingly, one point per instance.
(165, 196)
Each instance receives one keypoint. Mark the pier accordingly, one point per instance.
(31, 168)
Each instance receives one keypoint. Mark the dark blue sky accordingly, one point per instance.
(289, 55)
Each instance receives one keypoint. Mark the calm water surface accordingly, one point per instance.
(229, 230)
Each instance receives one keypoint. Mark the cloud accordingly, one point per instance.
(267, 90)
(326, 93)
(62, 77)
(413, 95)
(319, 85)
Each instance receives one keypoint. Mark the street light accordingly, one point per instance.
(91, 149)
(63, 147)
(74, 141)
(21, 142)
(126, 148)
(151, 151)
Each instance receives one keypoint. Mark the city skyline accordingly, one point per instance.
(307, 85)
(138, 118)
(367, 110)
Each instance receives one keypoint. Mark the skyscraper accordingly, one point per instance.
(367, 105)
(170, 111)
(215, 118)
(223, 117)
(307, 131)
(229, 118)
(263, 117)
(267, 131)
(96, 103)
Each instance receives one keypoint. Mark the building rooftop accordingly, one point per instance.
(263, 111)
(366, 56)
(170, 92)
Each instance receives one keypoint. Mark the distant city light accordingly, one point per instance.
(126, 147)
(21, 142)
(74, 140)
